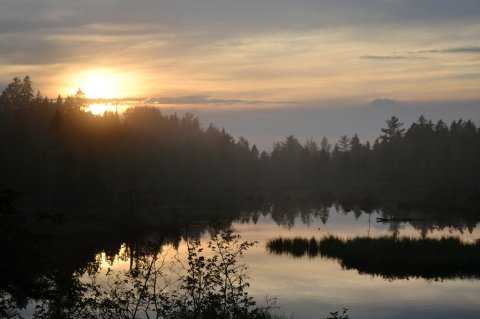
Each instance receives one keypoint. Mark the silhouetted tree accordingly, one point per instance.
(17, 95)
(393, 130)
(344, 144)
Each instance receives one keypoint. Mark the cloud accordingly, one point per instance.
(467, 49)
(223, 18)
(180, 100)
(390, 57)
(467, 76)
(202, 99)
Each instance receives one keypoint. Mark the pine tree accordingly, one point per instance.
(344, 144)
(393, 130)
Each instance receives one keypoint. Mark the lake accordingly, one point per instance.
(311, 287)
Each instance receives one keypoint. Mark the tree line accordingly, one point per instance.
(53, 146)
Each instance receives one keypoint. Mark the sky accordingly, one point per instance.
(261, 68)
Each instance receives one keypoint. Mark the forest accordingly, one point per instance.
(53, 147)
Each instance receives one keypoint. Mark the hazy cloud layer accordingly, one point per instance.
(472, 49)
(63, 26)
(202, 100)
(392, 57)
(468, 76)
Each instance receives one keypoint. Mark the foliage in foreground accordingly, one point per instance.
(210, 283)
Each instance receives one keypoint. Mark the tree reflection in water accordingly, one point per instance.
(51, 267)
(209, 283)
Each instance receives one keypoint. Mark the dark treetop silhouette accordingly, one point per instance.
(54, 148)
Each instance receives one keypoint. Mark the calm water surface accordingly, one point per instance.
(312, 287)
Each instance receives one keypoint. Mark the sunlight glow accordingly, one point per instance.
(105, 88)
(103, 83)
(101, 108)
(100, 84)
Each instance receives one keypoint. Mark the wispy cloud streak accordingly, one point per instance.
(390, 57)
(181, 100)
(467, 49)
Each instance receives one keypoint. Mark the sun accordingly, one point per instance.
(99, 84)
(107, 89)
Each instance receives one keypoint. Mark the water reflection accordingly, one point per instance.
(346, 219)
(304, 286)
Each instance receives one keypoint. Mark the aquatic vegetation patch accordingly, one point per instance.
(391, 257)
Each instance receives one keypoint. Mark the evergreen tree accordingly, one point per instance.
(344, 144)
(393, 130)
(17, 95)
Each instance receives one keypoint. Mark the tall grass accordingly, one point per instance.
(391, 257)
